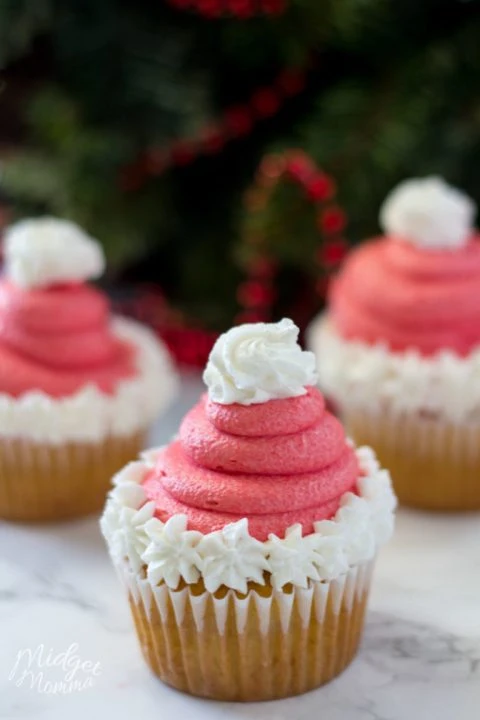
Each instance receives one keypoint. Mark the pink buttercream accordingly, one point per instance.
(392, 292)
(58, 340)
(297, 452)
(292, 415)
(228, 465)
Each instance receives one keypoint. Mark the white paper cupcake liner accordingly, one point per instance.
(263, 645)
(43, 482)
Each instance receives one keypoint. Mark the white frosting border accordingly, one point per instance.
(373, 378)
(90, 415)
(168, 552)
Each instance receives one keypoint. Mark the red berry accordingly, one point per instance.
(332, 252)
(240, 8)
(320, 187)
(183, 152)
(212, 8)
(238, 119)
(299, 167)
(332, 220)
(273, 7)
(253, 294)
(266, 102)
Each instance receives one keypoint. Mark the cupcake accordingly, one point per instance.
(78, 388)
(246, 545)
(399, 348)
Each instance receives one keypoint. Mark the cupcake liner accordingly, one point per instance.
(42, 482)
(434, 462)
(263, 645)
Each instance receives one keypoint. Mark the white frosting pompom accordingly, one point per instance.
(45, 251)
(257, 362)
(428, 213)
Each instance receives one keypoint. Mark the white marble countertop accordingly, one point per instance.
(420, 658)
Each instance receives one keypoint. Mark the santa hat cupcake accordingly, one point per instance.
(399, 348)
(246, 545)
(78, 387)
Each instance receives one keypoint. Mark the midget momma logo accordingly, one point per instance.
(48, 671)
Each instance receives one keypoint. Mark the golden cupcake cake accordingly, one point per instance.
(399, 347)
(78, 387)
(246, 546)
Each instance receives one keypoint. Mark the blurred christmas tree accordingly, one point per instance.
(145, 121)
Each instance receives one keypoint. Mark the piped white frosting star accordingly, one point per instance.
(172, 553)
(231, 557)
(123, 523)
(292, 559)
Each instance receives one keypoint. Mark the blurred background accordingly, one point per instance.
(227, 152)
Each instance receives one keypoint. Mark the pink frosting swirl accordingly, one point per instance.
(276, 463)
(392, 292)
(57, 340)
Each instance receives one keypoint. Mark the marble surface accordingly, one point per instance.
(60, 600)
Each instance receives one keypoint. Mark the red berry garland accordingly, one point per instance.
(240, 9)
(189, 345)
(256, 294)
(236, 122)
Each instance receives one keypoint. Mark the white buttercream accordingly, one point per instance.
(297, 559)
(126, 516)
(257, 362)
(90, 415)
(372, 377)
(172, 553)
(231, 557)
(46, 250)
(428, 213)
